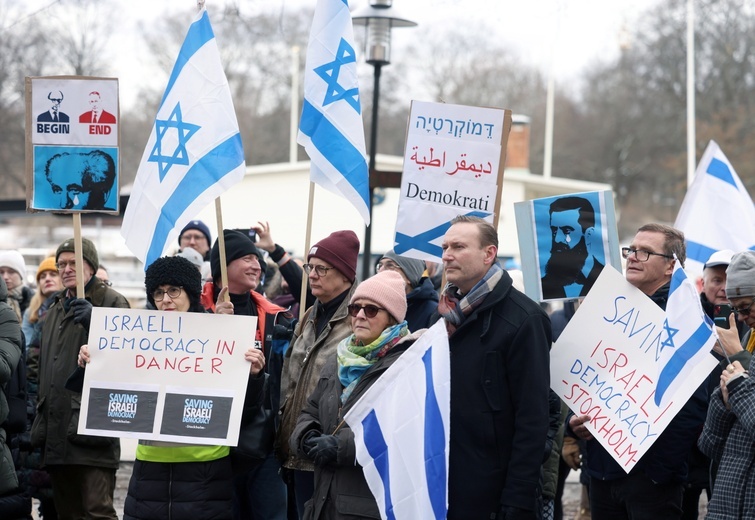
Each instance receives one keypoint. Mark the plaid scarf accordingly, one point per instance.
(354, 358)
(455, 308)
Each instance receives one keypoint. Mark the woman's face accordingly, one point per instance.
(366, 329)
(49, 282)
(178, 302)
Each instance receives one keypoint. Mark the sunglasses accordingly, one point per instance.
(369, 310)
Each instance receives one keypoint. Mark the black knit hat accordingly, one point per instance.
(88, 252)
(177, 271)
(199, 226)
(237, 244)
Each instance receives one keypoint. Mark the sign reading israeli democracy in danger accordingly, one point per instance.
(453, 165)
(169, 376)
(607, 363)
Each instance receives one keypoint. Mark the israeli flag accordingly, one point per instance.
(194, 153)
(331, 128)
(401, 431)
(717, 212)
(686, 340)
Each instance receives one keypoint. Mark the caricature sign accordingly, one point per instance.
(170, 376)
(453, 165)
(606, 365)
(72, 143)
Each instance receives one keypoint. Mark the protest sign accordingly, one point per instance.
(453, 165)
(170, 376)
(606, 365)
(564, 242)
(72, 139)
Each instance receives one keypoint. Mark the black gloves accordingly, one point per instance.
(323, 449)
(82, 312)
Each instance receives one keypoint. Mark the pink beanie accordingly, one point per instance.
(387, 290)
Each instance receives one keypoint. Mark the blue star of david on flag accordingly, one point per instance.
(330, 71)
(182, 130)
(670, 333)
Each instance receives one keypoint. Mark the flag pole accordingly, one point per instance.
(78, 255)
(221, 248)
(307, 241)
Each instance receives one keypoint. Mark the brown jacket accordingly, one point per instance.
(301, 372)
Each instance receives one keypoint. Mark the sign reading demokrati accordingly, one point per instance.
(171, 376)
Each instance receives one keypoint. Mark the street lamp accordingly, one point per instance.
(378, 18)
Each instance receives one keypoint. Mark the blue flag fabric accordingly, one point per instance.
(194, 153)
(331, 128)
(401, 431)
(716, 199)
(686, 341)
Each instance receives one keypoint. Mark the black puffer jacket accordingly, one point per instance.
(10, 354)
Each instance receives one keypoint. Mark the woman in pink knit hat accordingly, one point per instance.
(380, 334)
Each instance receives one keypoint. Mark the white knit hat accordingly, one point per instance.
(14, 260)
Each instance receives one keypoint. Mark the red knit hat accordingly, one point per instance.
(341, 250)
(387, 290)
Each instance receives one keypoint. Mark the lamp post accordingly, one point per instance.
(378, 18)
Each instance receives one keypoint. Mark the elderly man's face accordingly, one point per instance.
(66, 185)
(67, 270)
(714, 284)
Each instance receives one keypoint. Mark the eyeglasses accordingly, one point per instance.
(391, 266)
(369, 310)
(62, 265)
(173, 292)
(744, 311)
(321, 270)
(640, 254)
(188, 237)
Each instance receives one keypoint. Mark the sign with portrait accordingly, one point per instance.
(564, 243)
(72, 139)
(170, 376)
(606, 364)
(453, 165)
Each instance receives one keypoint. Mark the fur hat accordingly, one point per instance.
(387, 290)
(173, 270)
(413, 268)
(740, 275)
(13, 259)
(48, 264)
(199, 226)
(88, 251)
(341, 250)
(237, 244)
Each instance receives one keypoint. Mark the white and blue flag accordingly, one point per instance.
(194, 153)
(686, 340)
(717, 212)
(331, 128)
(401, 431)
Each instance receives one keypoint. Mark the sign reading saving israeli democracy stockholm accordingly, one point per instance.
(170, 376)
(628, 365)
(452, 166)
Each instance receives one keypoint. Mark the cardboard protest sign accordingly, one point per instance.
(606, 364)
(564, 243)
(453, 165)
(72, 139)
(171, 376)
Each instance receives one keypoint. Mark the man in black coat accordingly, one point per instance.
(653, 489)
(499, 341)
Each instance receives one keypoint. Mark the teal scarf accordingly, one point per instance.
(354, 359)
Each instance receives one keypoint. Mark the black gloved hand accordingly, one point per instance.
(515, 513)
(82, 312)
(324, 449)
(307, 443)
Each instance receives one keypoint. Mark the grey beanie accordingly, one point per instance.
(412, 267)
(740, 275)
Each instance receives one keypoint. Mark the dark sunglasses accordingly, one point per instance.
(369, 310)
